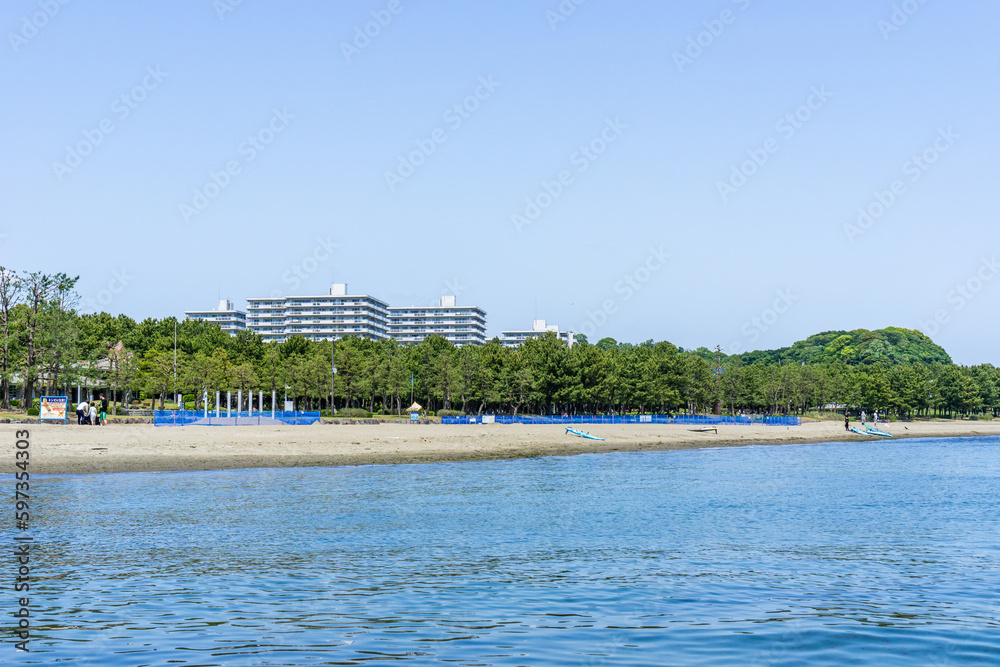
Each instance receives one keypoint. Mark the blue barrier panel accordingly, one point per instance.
(195, 417)
(693, 420)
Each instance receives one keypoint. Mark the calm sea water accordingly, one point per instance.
(881, 553)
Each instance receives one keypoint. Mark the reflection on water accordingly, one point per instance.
(873, 553)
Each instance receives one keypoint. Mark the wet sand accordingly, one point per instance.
(143, 447)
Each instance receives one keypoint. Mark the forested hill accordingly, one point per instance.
(891, 345)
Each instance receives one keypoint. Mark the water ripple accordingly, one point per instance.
(845, 553)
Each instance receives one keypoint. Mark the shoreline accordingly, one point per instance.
(147, 448)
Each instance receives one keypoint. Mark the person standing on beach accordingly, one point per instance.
(863, 416)
(876, 419)
(847, 421)
(93, 414)
(82, 410)
(104, 411)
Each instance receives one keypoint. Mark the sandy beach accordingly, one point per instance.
(143, 447)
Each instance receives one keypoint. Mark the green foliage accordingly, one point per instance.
(294, 346)
(607, 344)
(893, 370)
(890, 346)
(353, 413)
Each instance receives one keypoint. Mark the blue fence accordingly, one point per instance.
(700, 420)
(198, 418)
(192, 417)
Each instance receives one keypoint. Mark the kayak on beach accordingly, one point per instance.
(871, 431)
(582, 434)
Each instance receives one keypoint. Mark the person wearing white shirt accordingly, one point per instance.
(82, 410)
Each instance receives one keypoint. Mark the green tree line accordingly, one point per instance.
(47, 346)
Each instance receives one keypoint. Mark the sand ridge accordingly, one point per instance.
(143, 447)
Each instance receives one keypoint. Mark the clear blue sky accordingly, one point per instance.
(755, 261)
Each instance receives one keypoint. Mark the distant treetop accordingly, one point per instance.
(892, 345)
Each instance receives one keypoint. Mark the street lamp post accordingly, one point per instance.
(175, 356)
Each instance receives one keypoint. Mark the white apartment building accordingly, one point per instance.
(231, 320)
(460, 325)
(538, 328)
(323, 317)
